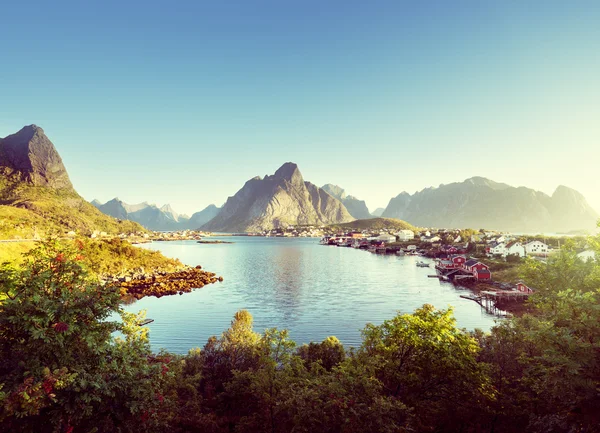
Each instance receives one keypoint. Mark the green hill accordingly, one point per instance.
(37, 197)
(374, 224)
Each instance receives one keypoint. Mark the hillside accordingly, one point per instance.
(374, 224)
(37, 197)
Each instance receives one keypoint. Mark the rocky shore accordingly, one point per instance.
(161, 283)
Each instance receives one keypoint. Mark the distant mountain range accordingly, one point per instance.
(276, 201)
(36, 194)
(156, 218)
(482, 203)
(37, 198)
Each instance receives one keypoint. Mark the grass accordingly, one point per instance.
(118, 257)
(374, 224)
(112, 257)
(26, 211)
(13, 251)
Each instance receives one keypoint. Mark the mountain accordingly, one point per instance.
(482, 203)
(200, 218)
(36, 194)
(276, 201)
(378, 212)
(155, 218)
(357, 208)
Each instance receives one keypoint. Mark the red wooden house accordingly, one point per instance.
(521, 287)
(480, 271)
(452, 262)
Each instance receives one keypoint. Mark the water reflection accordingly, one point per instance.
(312, 290)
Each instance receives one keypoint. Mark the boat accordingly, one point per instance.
(422, 264)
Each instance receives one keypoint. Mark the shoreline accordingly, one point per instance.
(162, 283)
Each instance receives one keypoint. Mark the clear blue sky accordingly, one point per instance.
(182, 102)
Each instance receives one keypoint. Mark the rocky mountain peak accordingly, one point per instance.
(289, 172)
(30, 156)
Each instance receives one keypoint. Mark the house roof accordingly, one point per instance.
(510, 244)
(471, 262)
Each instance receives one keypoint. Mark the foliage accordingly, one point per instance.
(61, 368)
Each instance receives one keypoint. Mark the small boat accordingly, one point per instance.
(422, 264)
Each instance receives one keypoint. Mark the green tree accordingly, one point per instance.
(429, 364)
(329, 353)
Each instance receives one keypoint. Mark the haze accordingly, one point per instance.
(183, 102)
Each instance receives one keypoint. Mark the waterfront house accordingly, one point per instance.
(405, 235)
(479, 270)
(384, 237)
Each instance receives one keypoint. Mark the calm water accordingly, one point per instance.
(312, 290)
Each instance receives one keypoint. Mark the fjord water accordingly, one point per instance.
(312, 290)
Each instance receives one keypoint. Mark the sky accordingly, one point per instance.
(182, 102)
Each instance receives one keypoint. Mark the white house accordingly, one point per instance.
(586, 255)
(384, 237)
(498, 249)
(405, 235)
(536, 247)
(514, 248)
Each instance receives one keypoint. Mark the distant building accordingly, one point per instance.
(536, 247)
(514, 248)
(384, 237)
(521, 287)
(587, 255)
(405, 235)
(480, 271)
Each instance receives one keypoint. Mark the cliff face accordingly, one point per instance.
(36, 195)
(357, 208)
(277, 201)
(482, 203)
(29, 156)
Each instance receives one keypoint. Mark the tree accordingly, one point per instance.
(430, 365)
(329, 353)
(61, 368)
